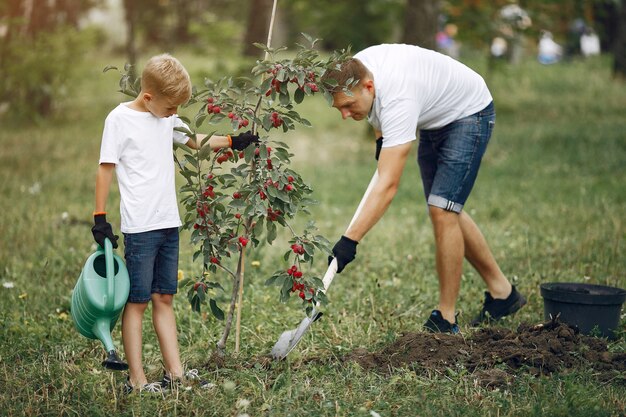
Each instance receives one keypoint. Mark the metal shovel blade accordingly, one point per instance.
(290, 338)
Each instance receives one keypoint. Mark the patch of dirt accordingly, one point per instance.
(495, 354)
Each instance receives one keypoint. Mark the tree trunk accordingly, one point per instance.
(420, 23)
(258, 25)
(131, 47)
(619, 47)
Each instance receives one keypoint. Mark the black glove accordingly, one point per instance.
(241, 142)
(379, 146)
(344, 251)
(101, 229)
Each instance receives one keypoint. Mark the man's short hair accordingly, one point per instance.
(166, 76)
(345, 77)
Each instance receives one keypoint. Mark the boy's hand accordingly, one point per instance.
(102, 230)
(344, 251)
(241, 142)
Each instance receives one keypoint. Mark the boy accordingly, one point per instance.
(137, 142)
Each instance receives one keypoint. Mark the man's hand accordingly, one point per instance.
(344, 251)
(241, 142)
(102, 230)
(379, 146)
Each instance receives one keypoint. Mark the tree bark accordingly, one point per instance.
(619, 47)
(131, 46)
(420, 23)
(258, 25)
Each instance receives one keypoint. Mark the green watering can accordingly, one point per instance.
(98, 299)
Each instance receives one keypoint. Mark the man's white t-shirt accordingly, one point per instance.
(141, 147)
(417, 88)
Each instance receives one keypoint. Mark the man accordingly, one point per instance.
(402, 88)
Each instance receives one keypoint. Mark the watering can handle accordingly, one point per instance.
(108, 257)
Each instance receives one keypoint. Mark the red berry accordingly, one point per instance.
(311, 290)
(241, 154)
(244, 122)
(262, 195)
(297, 274)
(196, 226)
(237, 215)
(269, 164)
(216, 109)
(198, 285)
(302, 295)
(236, 195)
(222, 158)
(290, 179)
(210, 100)
(231, 115)
(243, 241)
(214, 260)
(289, 187)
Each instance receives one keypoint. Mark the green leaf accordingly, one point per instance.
(298, 96)
(109, 67)
(217, 312)
(204, 152)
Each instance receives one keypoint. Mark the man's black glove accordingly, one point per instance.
(101, 229)
(344, 251)
(241, 142)
(379, 146)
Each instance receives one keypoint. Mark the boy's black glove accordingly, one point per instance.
(379, 146)
(241, 142)
(344, 251)
(101, 230)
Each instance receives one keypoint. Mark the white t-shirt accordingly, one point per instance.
(419, 88)
(140, 146)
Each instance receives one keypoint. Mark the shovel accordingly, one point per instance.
(290, 338)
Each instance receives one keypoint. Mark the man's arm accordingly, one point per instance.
(390, 166)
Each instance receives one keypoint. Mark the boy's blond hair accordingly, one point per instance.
(166, 76)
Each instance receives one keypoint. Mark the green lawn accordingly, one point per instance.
(550, 199)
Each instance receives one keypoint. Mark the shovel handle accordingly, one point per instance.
(332, 268)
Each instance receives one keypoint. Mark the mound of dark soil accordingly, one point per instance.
(541, 349)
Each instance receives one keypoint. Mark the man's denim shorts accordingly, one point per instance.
(152, 263)
(449, 158)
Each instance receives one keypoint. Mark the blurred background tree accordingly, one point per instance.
(42, 43)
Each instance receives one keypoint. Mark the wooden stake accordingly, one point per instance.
(240, 269)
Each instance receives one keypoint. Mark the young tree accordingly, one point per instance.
(235, 200)
(420, 23)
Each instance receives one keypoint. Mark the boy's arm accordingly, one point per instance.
(239, 142)
(103, 185)
(102, 229)
(215, 142)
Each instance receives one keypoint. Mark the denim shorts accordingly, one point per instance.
(449, 158)
(152, 263)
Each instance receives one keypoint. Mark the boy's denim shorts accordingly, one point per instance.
(152, 263)
(449, 158)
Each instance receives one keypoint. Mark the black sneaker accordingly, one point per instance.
(495, 308)
(437, 324)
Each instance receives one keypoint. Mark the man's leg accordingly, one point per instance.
(479, 255)
(164, 322)
(449, 242)
(132, 338)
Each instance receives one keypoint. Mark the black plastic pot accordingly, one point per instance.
(586, 306)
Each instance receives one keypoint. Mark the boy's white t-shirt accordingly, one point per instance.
(419, 88)
(141, 147)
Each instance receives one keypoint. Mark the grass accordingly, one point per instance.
(549, 198)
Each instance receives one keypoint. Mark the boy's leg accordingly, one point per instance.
(132, 318)
(164, 322)
(164, 287)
